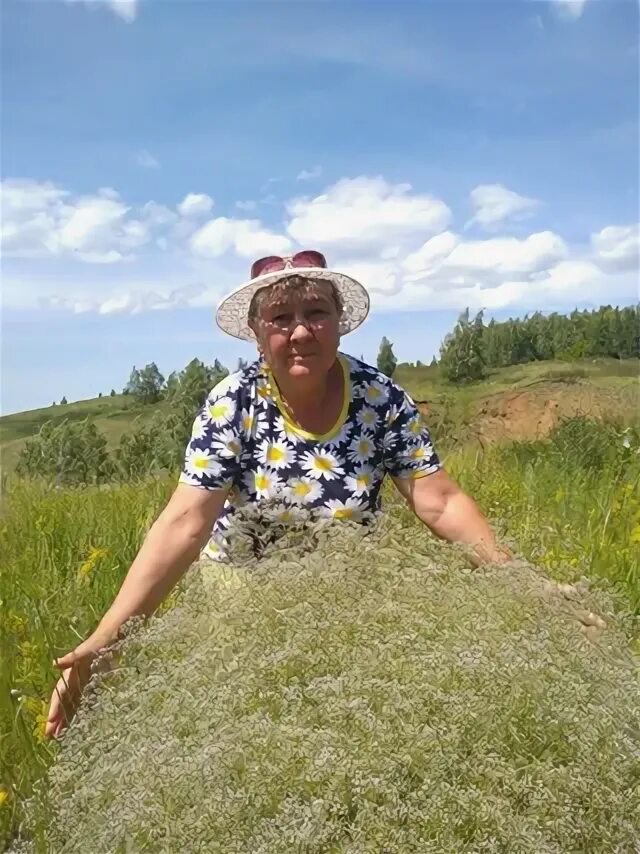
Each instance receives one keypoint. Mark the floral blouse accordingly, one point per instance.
(243, 438)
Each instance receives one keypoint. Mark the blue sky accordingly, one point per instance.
(448, 154)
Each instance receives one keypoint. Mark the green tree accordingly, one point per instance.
(630, 331)
(171, 385)
(146, 385)
(113, 392)
(387, 361)
(190, 387)
(63, 401)
(242, 364)
(66, 453)
(461, 355)
(155, 447)
(607, 331)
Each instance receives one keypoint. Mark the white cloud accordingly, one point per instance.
(494, 204)
(249, 205)
(147, 160)
(89, 228)
(568, 9)
(394, 240)
(359, 212)
(431, 255)
(126, 302)
(42, 219)
(562, 285)
(196, 204)
(29, 214)
(617, 247)
(309, 174)
(448, 258)
(378, 277)
(508, 255)
(125, 9)
(157, 215)
(246, 237)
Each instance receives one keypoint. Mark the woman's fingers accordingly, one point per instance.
(55, 716)
(66, 694)
(74, 657)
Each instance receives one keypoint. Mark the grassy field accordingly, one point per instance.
(570, 504)
(112, 415)
(68, 553)
(610, 382)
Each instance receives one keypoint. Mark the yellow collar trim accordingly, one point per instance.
(296, 428)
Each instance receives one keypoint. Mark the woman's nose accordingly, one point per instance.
(301, 329)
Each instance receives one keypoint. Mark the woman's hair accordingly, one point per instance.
(277, 292)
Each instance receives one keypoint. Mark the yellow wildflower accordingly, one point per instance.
(16, 623)
(4, 795)
(90, 563)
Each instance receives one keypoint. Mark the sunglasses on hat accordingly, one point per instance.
(274, 263)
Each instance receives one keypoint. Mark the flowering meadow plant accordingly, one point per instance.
(356, 693)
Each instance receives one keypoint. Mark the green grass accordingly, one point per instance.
(357, 695)
(451, 406)
(566, 509)
(426, 383)
(65, 552)
(113, 417)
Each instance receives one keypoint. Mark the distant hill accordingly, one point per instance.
(598, 387)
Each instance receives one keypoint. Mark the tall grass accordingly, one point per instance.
(357, 695)
(570, 504)
(63, 556)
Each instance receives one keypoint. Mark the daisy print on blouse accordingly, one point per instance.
(243, 439)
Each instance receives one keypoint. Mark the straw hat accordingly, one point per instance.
(232, 315)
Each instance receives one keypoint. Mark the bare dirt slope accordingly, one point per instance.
(533, 410)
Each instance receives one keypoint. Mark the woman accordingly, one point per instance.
(303, 432)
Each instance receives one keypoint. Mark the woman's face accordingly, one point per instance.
(298, 330)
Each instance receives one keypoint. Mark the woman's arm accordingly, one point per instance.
(170, 547)
(452, 515)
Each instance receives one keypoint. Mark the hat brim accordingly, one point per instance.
(232, 315)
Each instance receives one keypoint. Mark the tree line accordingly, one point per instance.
(473, 347)
(72, 452)
(75, 452)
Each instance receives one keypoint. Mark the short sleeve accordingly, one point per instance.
(408, 449)
(212, 455)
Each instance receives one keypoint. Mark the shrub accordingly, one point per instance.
(595, 445)
(66, 453)
(145, 385)
(358, 694)
(156, 447)
(462, 356)
(386, 361)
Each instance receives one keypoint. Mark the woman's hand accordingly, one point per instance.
(65, 699)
